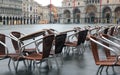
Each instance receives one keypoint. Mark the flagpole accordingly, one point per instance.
(100, 11)
(50, 11)
(73, 11)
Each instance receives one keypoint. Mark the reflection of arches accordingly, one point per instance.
(67, 15)
(24, 21)
(21, 20)
(7, 20)
(106, 14)
(13, 20)
(0, 18)
(117, 14)
(76, 15)
(10, 20)
(27, 21)
(91, 11)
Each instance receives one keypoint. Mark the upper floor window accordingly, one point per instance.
(78, 3)
(30, 8)
(69, 4)
(107, 1)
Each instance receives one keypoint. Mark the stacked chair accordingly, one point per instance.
(106, 41)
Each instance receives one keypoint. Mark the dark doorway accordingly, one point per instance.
(68, 21)
(108, 18)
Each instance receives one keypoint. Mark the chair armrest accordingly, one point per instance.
(34, 41)
(110, 42)
(114, 38)
(109, 48)
(13, 37)
(72, 36)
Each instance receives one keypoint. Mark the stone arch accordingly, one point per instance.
(76, 15)
(91, 11)
(106, 14)
(117, 14)
(67, 16)
(4, 19)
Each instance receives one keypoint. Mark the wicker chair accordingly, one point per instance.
(81, 37)
(95, 44)
(16, 42)
(41, 56)
(3, 48)
(58, 45)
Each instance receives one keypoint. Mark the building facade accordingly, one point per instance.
(31, 12)
(90, 11)
(10, 12)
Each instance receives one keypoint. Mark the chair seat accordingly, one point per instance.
(3, 56)
(34, 56)
(107, 63)
(15, 56)
(31, 50)
(73, 44)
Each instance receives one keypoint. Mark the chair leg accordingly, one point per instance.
(83, 47)
(49, 64)
(9, 62)
(61, 56)
(25, 63)
(107, 69)
(56, 61)
(40, 65)
(99, 69)
(15, 65)
(113, 69)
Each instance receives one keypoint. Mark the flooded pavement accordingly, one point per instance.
(73, 64)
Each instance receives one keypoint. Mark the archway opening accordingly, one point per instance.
(76, 15)
(67, 16)
(107, 15)
(92, 17)
(117, 15)
(91, 11)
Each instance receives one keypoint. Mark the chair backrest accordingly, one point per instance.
(112, 31)
(2, 48)
(94, 49)
(82, 36)
(59, 42)
(15, 43)
(107, 52)
(32, 35)
(105, 30)
(47, 45)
